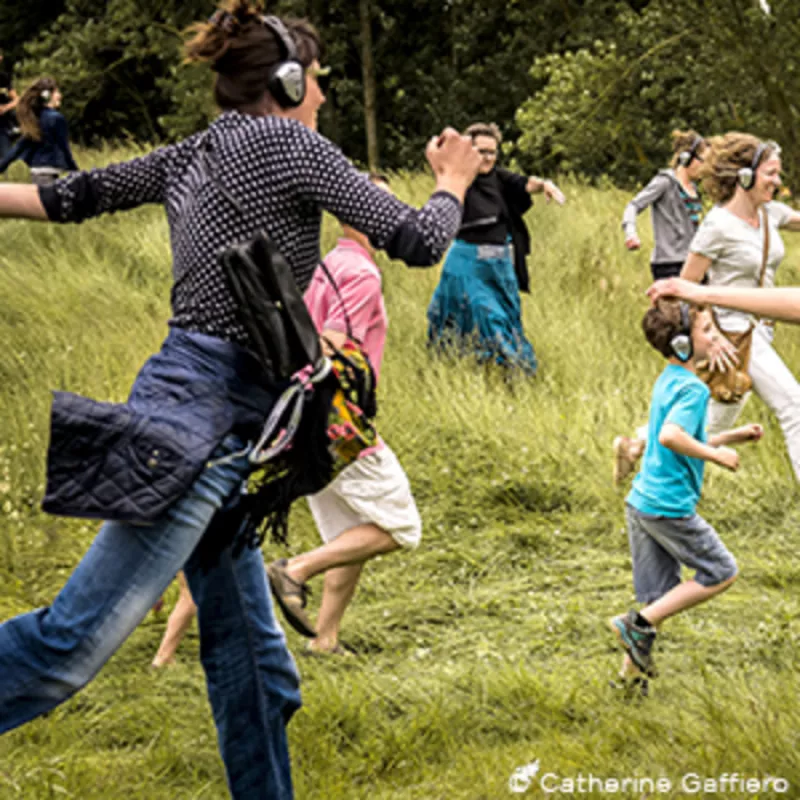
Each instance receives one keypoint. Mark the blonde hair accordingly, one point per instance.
(683, 141)
(484, 129)
(727, 155)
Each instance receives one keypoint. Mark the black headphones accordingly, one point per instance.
(685, 157)
(747, 175)
(287, 79)
(681, 342)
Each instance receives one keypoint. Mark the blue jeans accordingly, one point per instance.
(49, 654)
(5, 143)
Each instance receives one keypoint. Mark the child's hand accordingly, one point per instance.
(752, 432)
(727, 458)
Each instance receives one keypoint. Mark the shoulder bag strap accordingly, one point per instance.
(339, 295)
(765, 255)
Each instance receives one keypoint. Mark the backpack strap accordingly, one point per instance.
(333, 283)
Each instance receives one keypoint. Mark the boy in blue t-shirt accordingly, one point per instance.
(663, 529)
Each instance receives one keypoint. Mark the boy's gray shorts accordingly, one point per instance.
(659, 545)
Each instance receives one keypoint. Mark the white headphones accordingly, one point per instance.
(747, 175)
(46, 95)
(681, 342)
(685, 157)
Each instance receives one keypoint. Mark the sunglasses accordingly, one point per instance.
(322, 75)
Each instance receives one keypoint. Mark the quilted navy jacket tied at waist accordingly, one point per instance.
(131, 461)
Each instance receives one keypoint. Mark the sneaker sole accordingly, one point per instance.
(649, 670)
(289, 613)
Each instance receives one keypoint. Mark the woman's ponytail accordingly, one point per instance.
(31, 105)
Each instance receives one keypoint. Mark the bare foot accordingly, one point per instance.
(326, 647)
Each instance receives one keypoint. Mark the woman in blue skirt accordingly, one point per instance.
(477, 303)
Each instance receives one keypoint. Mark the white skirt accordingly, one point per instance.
(373, 490)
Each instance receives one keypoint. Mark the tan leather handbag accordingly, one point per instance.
(732, 385)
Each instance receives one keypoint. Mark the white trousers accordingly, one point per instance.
(775, 385)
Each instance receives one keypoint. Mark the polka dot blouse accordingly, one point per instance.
(282, 175)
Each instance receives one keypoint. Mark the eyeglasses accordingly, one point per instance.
(322, 75)
(487, 153)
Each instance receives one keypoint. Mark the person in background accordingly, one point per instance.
(177, 624)
(8, 102)
(780, 304)
(44, 143)
(368, 509)
(675, 208)
(477, 304)
(739, 244)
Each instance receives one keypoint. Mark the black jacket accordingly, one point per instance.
(494, 207)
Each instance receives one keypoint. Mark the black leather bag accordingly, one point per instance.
(270, 307)
(269, 304)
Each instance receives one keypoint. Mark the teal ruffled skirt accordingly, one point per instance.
(476, 306)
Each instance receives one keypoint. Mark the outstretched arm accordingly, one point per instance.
(791, 221)
(545, 187)
(782, 304)
(21, 200)
(649, 195)
(746, 433)
(417, 236)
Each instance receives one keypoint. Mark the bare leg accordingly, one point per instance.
(178, 623)
(353, 547)
(340, 586)
(684, 596)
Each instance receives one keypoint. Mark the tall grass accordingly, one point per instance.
(485, 649)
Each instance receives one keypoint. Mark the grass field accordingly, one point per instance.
(485, 650)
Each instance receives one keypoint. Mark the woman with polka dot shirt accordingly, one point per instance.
(204, 395)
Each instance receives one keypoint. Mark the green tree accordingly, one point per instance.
(712, 65)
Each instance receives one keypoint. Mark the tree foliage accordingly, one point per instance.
(591, 86)
(713, 65)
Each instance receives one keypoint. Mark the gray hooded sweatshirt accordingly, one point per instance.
(673, 229)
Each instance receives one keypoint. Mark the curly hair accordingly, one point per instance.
(727, 155)
(31, 105)
(241, 50)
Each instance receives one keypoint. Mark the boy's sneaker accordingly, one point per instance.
(637, 641)
(626, 454)
(631, 688)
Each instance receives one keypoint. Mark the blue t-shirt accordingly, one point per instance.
(669, 484)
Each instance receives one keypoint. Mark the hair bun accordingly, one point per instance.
(224, 21)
